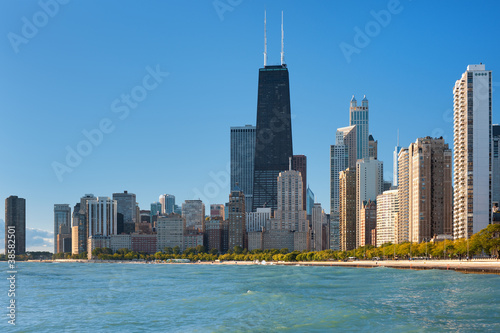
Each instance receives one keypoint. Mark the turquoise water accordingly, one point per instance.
(53, 297)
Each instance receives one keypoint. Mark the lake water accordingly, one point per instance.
(54, 297)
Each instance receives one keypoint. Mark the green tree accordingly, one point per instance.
(200, 249)
(237, 249)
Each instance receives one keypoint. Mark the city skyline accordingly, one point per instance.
(73, 93)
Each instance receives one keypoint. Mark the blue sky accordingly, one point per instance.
(70, 71)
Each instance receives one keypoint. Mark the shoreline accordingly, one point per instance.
(462, 266)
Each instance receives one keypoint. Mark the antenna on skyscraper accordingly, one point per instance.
(398, 138)
(265, 40)
(282, 41)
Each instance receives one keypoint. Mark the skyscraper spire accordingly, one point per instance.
(282, 41)
(265, 40)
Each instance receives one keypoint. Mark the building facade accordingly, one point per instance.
(309, 201)
(372, 147)
(126, 204)
(170, 231)
(62, 216)
(15, 224)
(430, 189)
(320, 240)
(167, 202)
(236, 222)
(102, 216)
(495, 165)
(347, 210)
(342, 156)
(118, 242)
(144, 243)
(214, 233)
(193, 211)
(255, 221)
(243, 161)
(358, 115)
(472, 133)
(290, 214)
(299, 163)
(273, 134)
(387, 216)
(403, 225)
(369, 184)
(217, 210)
(367, 222)
(395, 170)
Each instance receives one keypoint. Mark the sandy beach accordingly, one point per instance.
(463, 266)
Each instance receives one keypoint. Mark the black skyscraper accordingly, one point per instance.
(15, 224)
(273, 134)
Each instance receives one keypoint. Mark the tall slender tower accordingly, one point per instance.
(403, 225)
(299, 163)
(62, 216)
(243, 160)
(342, 156)
(290, 212)
(495, 188)
(237, 219)
(369, 184)
(395, 170)
(472, 147)
(15, 223)
(358, 115)
(347, 208)
(273, 145)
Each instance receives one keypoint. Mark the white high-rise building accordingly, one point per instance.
(473, 151)
(358, 115)
(369, 184)
(102, 216)
(387, 216)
